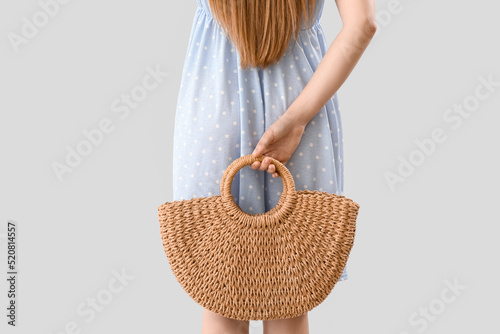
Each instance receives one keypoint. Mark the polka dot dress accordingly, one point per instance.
(223, 111)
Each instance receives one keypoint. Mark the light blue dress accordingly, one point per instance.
(223, 111)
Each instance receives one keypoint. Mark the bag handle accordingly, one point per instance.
(283, 207)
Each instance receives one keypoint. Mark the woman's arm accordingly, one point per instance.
(358, 20)
(283, 136)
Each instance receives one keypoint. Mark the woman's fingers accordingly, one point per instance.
(265, 164)
(261, 165)
(271, 169)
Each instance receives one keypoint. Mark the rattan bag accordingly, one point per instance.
(275, 265)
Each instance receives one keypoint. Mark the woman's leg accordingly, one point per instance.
(297, 325)
(214, 323)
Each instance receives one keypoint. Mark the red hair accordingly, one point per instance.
(261, 29)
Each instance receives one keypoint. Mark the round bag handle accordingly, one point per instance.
(287, 199)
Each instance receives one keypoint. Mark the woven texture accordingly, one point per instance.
(273, 265)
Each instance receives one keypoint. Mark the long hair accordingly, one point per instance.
(261, 29)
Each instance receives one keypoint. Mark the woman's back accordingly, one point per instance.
(223, 111)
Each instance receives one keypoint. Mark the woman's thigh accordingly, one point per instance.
(297, 325)
(214, 323)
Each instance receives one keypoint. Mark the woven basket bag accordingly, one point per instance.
(275, 265)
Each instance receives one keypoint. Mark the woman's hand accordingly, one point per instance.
(278, 142)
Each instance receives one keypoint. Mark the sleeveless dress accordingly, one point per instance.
(223, 111)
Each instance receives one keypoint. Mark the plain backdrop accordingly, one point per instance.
(425, 258)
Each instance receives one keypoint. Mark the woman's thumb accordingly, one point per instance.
(257, 152)
(262, 145)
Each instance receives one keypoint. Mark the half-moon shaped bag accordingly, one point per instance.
(275, 265)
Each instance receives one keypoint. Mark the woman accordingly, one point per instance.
(258, 79)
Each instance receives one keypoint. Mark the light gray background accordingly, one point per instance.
(439, 224)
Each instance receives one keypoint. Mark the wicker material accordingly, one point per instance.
(274, 265)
